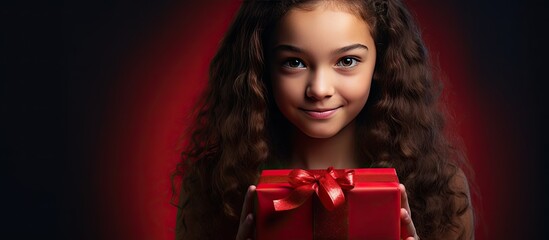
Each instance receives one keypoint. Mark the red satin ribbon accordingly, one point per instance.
(328, 185)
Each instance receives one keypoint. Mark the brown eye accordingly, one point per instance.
(294, 63)
(347, 62)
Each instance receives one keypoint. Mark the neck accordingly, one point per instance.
(320, 153)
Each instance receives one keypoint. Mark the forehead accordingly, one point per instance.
(321, 25)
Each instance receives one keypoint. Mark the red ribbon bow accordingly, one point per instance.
(328, 185)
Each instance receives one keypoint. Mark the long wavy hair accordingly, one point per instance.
(238, 129)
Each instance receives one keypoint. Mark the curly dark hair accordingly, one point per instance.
(238, 129)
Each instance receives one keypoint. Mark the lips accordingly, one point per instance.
(320, 113)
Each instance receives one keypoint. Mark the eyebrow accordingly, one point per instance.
(349, 48)
(290, 48)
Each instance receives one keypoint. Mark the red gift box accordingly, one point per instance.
(328, 204)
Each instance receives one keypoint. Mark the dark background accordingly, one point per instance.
(61, 69)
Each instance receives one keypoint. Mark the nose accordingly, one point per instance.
(320, 85)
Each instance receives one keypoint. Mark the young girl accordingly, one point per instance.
(314, 84)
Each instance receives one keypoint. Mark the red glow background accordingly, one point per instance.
(135, 71)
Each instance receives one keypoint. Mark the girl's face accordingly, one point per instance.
(322, 67)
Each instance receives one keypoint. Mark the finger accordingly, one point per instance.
(404, 199)
(246, 207)
(408, 230)
(245, 227)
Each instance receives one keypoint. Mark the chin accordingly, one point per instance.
(319, 133)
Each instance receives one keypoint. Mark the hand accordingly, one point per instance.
(408, 231)
(246, 216)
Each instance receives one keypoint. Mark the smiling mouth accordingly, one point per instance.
(320, 113)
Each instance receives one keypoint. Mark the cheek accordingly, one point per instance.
(357, 89)
(287, 90)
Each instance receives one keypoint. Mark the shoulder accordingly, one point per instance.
(459, 182)
(464, 214)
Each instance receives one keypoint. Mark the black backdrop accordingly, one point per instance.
(59, 62)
